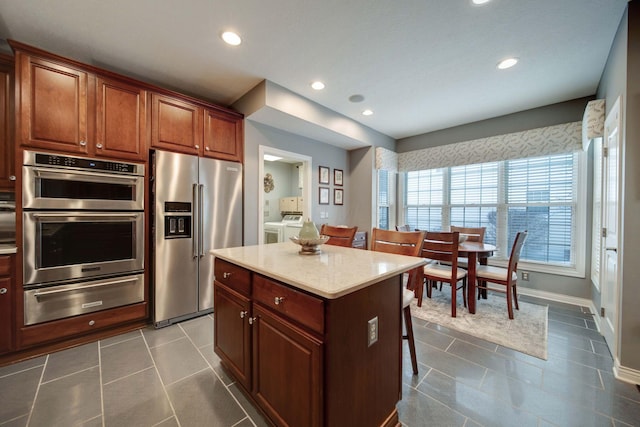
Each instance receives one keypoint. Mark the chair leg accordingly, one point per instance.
(515, 296)
(419, 290)
(454, 291)
(464, 291)
(412, 344)
(509, 302)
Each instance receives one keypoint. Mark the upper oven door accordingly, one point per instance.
(50, 188)
(61, 246)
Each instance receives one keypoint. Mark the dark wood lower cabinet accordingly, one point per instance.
(287, 366)
(304, 360)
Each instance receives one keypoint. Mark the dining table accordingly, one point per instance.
(474, 252)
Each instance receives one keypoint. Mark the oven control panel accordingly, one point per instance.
(57, 160)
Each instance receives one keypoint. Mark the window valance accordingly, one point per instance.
(564, 138)
(386, 159)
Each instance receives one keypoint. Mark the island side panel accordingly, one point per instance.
(362, 383)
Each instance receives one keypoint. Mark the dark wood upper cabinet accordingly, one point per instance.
(176, 125)
(53, 105)
(191, 128)
(120, 119)
(223, 136)
(7, 149)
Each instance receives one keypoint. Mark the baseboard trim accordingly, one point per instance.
(567, 299)
(622, 373)
(628, 375)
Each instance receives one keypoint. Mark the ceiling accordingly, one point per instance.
(421, 65)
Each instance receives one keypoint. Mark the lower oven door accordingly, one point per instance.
(57, 302)
(64, 246)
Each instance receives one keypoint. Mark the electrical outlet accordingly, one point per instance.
(525, 276)
(372, 331)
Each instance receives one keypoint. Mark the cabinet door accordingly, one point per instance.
(6, 315)
(231, 332)
(6, 305)
(53, 106)
(223, 136)
(7, 174)
(287, 371)
(120, 120)
(176, 125)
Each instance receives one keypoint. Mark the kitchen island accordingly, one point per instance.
(314, 340)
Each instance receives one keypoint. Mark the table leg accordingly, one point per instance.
(471, 279)
(484, 261)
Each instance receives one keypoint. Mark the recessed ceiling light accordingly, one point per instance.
(356, 98)
(317, 85)
(507, 63)
(367, 112)
(231, 38)
(480, 1)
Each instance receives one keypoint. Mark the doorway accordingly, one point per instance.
(610, 284)
(302, 163)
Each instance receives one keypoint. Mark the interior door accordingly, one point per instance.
(610, 275)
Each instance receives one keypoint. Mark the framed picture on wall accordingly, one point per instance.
(337, 177)
(323, 175)
(338, 193)
(323, 196)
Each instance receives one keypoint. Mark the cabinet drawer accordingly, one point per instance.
(5, 265)
(236, 278)
(300, 307)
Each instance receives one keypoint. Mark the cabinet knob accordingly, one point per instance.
(278, 300)
(252, 320)
(243, 314)
(206, 148)
(197, 146)
(12, 178)
(92, 322)
(98, 145)
(3, 291)
(226, 275)
(83, 143)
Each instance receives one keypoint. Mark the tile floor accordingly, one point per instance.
(171, 377)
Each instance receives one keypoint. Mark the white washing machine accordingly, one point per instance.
(276, 232)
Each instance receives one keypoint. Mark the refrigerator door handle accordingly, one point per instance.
(195, 220)
(201, 219)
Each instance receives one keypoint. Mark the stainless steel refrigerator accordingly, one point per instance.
(197, 206)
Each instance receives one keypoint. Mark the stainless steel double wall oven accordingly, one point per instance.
(83, 235)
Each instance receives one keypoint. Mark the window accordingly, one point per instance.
(538, 194)
(383, 199)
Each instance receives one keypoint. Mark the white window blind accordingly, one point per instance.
(383, 199)
(537, 194)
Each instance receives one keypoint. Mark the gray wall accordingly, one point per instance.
(554, 114)
(322, 154)
(362, 209)
(549, 115)
(621, 77)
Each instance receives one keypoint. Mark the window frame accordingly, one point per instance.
(579, 239)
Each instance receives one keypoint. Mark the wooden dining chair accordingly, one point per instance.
(506, 277)
(403, 243)
(443, 246)
(476, 234)
(339, 236)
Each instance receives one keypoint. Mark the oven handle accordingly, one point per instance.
(196, 226)
(88, 176)
(84, 215)
(98, 285)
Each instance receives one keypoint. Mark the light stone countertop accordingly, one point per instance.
(335, 272)
(8, 249)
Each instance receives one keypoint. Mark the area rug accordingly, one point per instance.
(526, 333)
